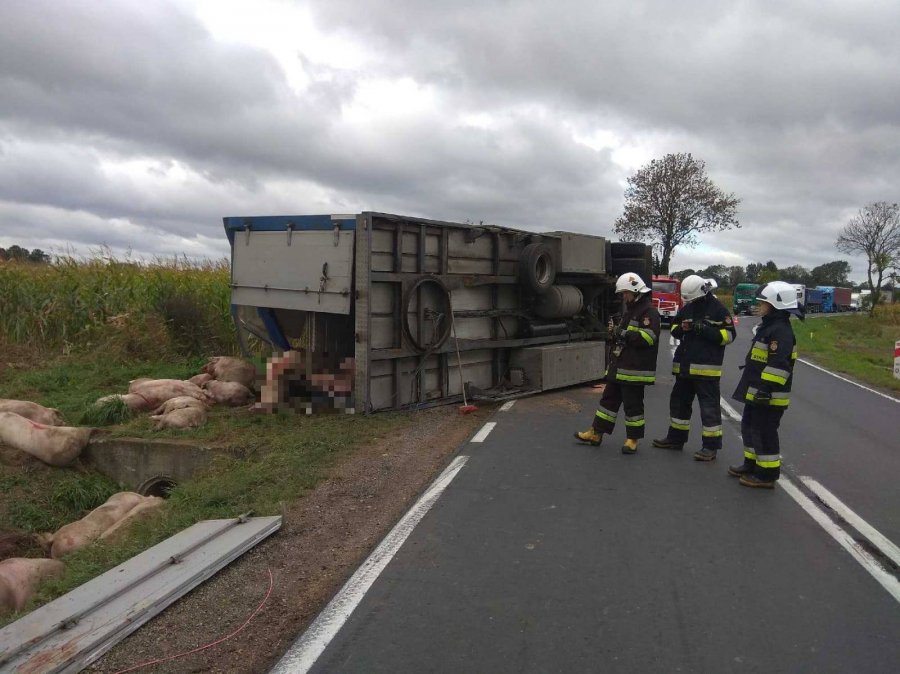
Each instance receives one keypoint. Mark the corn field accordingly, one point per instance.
(135, 309)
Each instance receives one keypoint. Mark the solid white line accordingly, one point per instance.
(884, 545)
(729, 410)
(507, 406)
(849, 381)
(860, 554)
(303, 654)
(484, 432)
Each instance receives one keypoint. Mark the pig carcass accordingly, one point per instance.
(200, 379)
(229, 393)
(181, 418)
(143, 510)
(225, 368)
(89, 528)
(19, 578)
(158, 391)
(43, 415)
(54, 445)
(133, 401)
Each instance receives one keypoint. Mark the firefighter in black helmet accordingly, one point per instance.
(765, 386)
(704, 327)
(632, 366)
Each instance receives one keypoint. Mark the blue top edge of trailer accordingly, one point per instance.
(280, 223)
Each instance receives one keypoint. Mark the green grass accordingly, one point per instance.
(273, 460)
(857, 345)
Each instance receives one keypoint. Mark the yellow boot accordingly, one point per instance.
(630, 446)
(591, 436)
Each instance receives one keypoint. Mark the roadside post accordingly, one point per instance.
(897, 360)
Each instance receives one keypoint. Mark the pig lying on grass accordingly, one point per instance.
(54, 445)
(229, 393)
(19, 578)
(33, 411)
(225, 368)
(181, 412)
(99, 522)
(158, 391)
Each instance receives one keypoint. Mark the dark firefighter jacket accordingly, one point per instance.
(769, 367)
(702, 349)
(637, 341)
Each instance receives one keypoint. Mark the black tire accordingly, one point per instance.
(628, 249)
(537, 268)
(635, 265)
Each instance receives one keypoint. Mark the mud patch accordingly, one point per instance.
(18, 544)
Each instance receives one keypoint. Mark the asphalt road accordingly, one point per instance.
(544, 555)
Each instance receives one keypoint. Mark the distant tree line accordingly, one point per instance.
(829, 274)
(20, 254)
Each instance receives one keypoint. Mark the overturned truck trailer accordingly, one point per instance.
(425, 307)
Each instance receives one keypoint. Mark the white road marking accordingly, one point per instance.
(884, 545)
(849, 381)
(484, 432)
(507, 406)
(303, 654)
(860, 554)
(729, 410)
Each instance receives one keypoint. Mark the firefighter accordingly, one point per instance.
(632, 365)
(765, 386)
(704, 327)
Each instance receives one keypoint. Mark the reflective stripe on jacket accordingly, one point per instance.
(637, 362)
(769, 366)
(701, 351)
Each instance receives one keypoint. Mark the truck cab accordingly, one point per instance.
(667, 297)
(745, 297)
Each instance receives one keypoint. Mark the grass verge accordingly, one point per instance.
(856, 345)
(282, 456)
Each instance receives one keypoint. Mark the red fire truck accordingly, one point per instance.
(667, 297)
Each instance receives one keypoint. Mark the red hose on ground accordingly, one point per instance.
(210, 645)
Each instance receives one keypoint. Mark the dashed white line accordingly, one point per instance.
(888, 581)
(849, 381)
(307, 649)
(729, 410)
(507, 406)
(484, 432)
(871, 533)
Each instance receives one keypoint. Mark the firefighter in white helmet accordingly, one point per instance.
(632, 365)
(765, 386)
(704, 327)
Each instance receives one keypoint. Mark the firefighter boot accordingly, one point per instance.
(630, 446)
(705, 455)
(752, 480)
(591, 436)
(666, 443)
(745, 468)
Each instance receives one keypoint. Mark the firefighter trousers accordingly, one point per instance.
(631, 396)
(682, 400)
(762, 451)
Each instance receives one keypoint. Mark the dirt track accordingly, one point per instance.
(325, 536)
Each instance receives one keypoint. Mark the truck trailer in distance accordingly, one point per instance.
(425, 309)
(744, 297)
(835, 299)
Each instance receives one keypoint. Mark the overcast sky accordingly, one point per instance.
(140, 124)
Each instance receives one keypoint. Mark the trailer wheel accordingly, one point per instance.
(537, 268)
(634, 265)
(429, 329)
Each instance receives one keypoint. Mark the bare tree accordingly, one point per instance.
(671, 200)
(874, 232)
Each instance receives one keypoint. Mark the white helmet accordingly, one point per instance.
(780, 295)
(694, 287)
(632, 282)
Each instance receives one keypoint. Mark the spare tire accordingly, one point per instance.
(628, 249)
(537, 269)
(635, 265)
